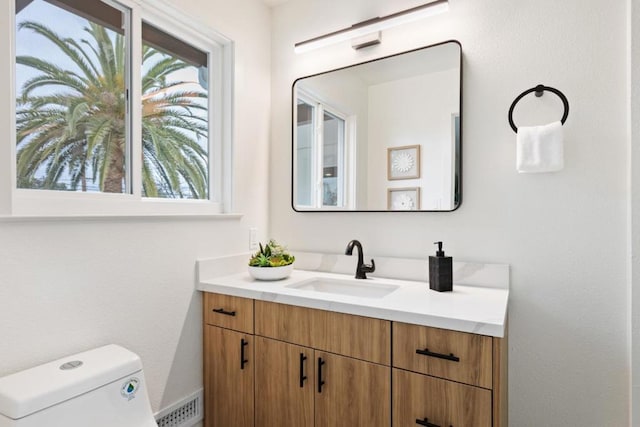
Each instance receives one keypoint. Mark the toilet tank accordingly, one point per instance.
(104, 387)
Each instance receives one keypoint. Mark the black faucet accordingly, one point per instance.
(362, 269)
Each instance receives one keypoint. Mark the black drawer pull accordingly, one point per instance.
(302, 375)
(320, 381)
(426, 423)
(243, 344)
(222, 311)
(450, 356)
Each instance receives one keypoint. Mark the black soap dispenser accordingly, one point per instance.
(440, 271)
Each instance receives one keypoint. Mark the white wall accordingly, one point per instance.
(70, 285)
(634, 205)
(564, 234)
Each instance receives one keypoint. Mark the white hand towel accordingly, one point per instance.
(540, 148)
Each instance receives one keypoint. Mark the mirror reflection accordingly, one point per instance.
(381, 135)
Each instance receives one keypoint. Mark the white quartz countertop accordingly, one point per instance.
(475, 309)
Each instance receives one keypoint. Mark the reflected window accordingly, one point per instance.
(320, 155)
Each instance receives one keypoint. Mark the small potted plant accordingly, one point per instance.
(271, 262)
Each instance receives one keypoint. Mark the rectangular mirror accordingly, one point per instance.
(383, 135)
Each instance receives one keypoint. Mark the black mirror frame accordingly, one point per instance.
(458, 164)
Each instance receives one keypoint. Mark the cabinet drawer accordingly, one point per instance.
(283, 322)
(354, 336)
(229, 312)
(458, 356)
(438, 402)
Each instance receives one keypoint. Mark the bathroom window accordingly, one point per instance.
(322, 155)
(99, 111)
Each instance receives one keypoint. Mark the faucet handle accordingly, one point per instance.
(369, 268)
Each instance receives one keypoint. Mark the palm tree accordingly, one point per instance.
(74, 126)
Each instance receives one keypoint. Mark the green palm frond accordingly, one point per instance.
(75, 114)
(105, 53)
(36, 104)
(67, 46)
(52, 76)
(157, 74)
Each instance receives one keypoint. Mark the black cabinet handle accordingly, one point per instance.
(320, 381)
(302, 375)
(222, 311)
(450, 356)
(243, 344)
(426, 423)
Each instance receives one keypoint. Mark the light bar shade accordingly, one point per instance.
(373, 25)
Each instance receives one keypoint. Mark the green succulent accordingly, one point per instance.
(271, 255)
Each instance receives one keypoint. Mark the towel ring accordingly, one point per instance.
(539, 90)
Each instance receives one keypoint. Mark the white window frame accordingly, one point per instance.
(346, 179)
(164, 16)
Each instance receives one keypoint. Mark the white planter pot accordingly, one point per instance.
(271, 273)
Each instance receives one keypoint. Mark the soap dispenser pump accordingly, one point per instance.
(440, 271)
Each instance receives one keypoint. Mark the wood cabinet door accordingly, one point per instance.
(230, 378)
(423, 400)
(284, 384)
(351, 392)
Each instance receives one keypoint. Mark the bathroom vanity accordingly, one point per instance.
(323, 349)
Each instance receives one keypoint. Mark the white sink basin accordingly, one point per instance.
(356, 288)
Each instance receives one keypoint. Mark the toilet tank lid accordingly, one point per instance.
(34, 389)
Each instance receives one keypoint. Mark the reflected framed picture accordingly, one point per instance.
(403, 162)
(403, 199)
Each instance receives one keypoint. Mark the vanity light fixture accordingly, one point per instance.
(373, 25)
